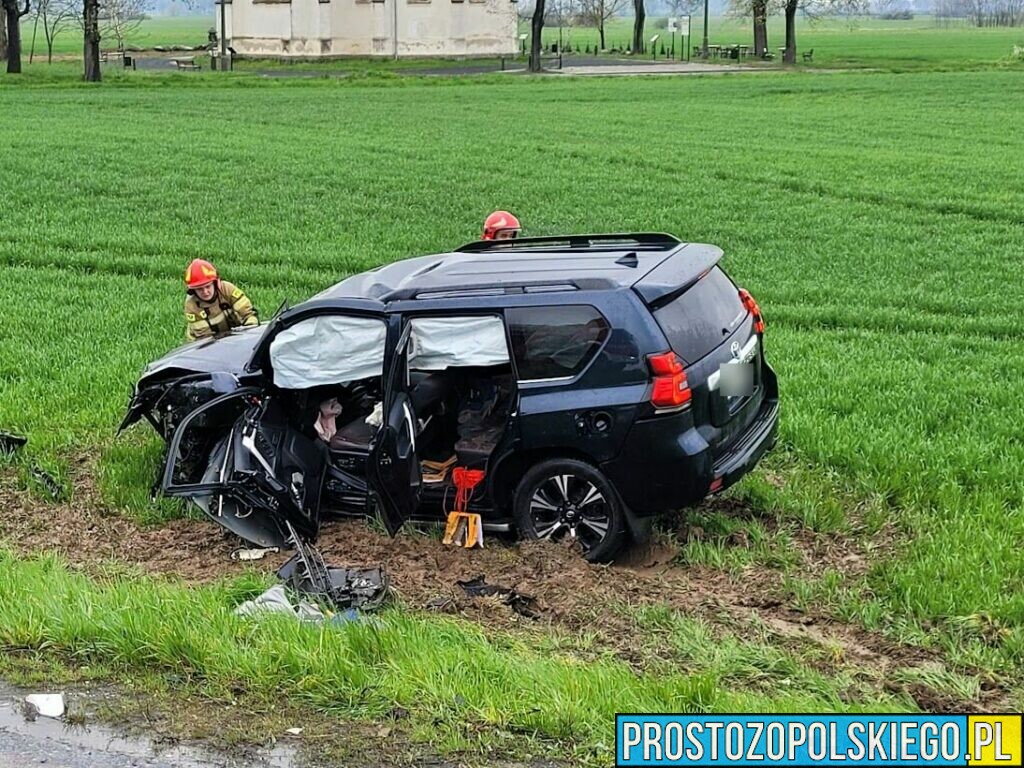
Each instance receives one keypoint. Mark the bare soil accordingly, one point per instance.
(569, 593)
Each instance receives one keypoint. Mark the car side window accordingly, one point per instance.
(554, 342)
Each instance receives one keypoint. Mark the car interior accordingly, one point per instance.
(461, 410)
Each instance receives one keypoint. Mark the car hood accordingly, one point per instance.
(226, 353)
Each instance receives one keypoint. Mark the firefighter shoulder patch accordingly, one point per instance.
(237, 293)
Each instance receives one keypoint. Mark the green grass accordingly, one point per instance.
(878, 224)
(452, 679)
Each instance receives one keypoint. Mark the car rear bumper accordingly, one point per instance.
(667, 465)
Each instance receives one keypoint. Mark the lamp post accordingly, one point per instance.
(704, 53)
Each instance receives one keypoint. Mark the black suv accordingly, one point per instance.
(584, 374)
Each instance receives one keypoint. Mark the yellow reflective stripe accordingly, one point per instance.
(251, 320)
(216, 319)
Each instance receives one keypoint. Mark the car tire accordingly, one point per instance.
(560, 498)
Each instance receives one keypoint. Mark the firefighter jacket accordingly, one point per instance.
(229, 309)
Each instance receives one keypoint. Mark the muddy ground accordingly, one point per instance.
(569, 593)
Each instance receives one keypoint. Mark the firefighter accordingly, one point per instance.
(214, 305)
(501, 225)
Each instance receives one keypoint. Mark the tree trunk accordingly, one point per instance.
(3, 34)
(92, 40)
(760, 8)
(638, 25)
(13, 17)
(600, 32)
(536, 29)
(789, 57)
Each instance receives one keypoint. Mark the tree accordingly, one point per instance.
(639, 16)
(759, 11)
(56, 16)
(91, 40)
(120, 18)
(3, 35)
(12, 15)
(536, 29)
(596, 13)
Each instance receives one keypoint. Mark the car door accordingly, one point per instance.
(255, 475)
(393, 470)
(264, 475)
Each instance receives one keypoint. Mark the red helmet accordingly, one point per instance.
(500, 221)
(199, 273)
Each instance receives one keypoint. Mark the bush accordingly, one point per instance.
(904, 15)
(661, 23)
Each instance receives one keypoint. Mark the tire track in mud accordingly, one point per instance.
(570, 594)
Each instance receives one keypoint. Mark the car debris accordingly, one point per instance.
(45, 704)
(342, 588)
(524, 605)
(11, 443)
(275, 600)
(248, 555)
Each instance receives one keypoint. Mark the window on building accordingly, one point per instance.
(555, 342)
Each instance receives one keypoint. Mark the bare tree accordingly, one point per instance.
(12, 14)
(56, 16)
(758, 11)
(597, 13)
(3, 35)
(119, 18)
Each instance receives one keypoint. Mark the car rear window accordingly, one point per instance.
(703, 317)
(554, 342)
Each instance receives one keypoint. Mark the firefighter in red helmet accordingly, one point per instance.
(501, 225)
(213, 305)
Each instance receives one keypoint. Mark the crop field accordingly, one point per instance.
(855, 42)
(871, 563)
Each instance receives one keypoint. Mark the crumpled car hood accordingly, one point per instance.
(227, 353)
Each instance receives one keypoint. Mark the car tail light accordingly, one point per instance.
(670, 387)
(752, 308)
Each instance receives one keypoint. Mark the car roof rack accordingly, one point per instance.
(631, 241)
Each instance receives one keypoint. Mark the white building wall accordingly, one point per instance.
(315, 28)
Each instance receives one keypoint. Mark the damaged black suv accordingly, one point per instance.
(586, 375)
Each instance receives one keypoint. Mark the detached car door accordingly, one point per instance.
(262, 473)
(393, 470)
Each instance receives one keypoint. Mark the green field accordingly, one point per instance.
(857, 42)
(877, 218)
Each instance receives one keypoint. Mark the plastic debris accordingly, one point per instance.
(9, 442)
(47, 704)
(247, 555)
(294, 731)
(274, 600)
(524, 605)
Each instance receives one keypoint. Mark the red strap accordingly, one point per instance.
(465, 481)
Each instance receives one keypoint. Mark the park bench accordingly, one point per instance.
(186, 63)
(809, 55)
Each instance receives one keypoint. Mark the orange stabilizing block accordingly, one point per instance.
(464, 528)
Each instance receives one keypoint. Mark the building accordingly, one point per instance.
(385, 28)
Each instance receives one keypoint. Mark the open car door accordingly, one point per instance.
(393, 470)
(243, 457)
(238, 461)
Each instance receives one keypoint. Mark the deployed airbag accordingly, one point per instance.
(328, 349)
(441, 342)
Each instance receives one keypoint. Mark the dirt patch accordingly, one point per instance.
(569, 593)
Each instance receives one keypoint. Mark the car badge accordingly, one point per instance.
(735, 349)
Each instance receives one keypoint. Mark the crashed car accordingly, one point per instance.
(584, 374)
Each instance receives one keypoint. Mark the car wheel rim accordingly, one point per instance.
(570, 506)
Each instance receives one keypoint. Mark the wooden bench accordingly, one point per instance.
(809, 55)
(188, 63)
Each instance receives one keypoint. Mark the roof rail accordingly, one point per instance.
(652, 240)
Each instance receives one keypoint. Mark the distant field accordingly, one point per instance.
(836, 42)
(919, 43)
